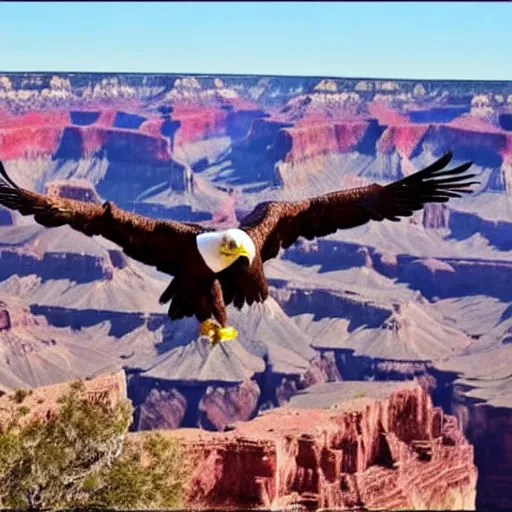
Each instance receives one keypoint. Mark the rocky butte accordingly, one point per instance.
(390, 451)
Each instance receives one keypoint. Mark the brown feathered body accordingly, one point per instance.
(171, 247)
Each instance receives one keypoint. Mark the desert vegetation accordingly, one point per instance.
(80, 456)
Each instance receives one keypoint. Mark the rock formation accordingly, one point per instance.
(107, 388)
(161, 409)
(390, 452)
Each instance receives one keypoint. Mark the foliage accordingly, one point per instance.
(20, 395)
(79, 456)
(131, 484)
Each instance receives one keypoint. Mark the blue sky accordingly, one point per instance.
(381, 39)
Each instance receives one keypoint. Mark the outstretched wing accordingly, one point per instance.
(162, 244)
(278, 224)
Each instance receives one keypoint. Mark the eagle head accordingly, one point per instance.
(236, 243)
(220, 249)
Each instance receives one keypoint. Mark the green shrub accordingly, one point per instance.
(129, 484)
(23, 411)
(79, 457)
(20, 395)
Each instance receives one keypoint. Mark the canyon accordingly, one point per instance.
(357, 453)
(424, 301)
(346, 445)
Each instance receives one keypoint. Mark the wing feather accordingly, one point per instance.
(277, 224)
(162, 244)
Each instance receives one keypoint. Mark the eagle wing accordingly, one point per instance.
(277, 224)
(158, 243)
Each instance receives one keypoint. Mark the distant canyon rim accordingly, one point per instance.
(426, 300)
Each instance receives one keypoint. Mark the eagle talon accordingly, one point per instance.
(216, 333)
(208, 328)
(226, 334)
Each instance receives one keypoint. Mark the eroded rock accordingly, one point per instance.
(394, 452)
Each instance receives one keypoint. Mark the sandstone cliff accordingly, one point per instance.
(394, 451)
(106, 388)
(345, 445)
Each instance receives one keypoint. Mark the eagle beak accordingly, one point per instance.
(243, 252)
(238, 251)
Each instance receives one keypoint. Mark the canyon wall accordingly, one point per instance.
(360, 453)
(488, 428)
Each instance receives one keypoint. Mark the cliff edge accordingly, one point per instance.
(390, 450)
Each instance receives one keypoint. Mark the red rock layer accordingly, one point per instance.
(134, 145)
(36, 118)
(398, 452)
(402, 139)
(44, 140)
(29, 141)
(385, 114)
(308, 141)
(39, 134)
(152, 127)
(107, 118)
(199, 123)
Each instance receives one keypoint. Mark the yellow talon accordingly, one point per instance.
(226, 333)
(215, 333)
(208, 328)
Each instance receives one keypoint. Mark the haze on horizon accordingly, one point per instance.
(418, 40)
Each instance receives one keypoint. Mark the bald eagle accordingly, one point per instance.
(213, 269)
